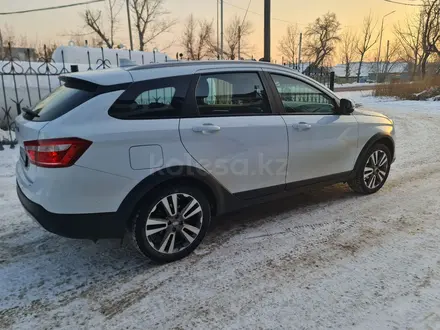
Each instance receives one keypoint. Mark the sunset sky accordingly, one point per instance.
(55, 25)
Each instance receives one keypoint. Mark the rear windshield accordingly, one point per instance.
(60, 102)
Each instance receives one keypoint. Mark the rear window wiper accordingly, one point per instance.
(29, 112)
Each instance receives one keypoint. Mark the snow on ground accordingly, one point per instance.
(7, 135)
(320, 260)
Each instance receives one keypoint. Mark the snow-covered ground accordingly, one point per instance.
(325, 259)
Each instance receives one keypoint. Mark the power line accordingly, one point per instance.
(50, 8)
(405, 3)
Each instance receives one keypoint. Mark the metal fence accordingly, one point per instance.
(322, 74)
(25, 83)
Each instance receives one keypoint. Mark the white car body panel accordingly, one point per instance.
(370, 125)
(329, 146)
(248, 153)
(109, 154)
(75, 190)
(253, 152)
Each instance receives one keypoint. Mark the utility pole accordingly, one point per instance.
(380, 45)
(239, 42)
(221, 27)
(239, 30)
(218, 33)
(129, 24)
(267, 30)
(387, 59)
(299, 51)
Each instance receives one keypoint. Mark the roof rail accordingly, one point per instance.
(194, 63)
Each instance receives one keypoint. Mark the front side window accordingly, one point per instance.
(299, 97)
(231, 94)
(152, 99)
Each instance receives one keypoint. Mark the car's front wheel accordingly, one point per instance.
(172, 223)
(373, 171)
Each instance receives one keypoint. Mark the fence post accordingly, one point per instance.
(332, 80)
(90, 64)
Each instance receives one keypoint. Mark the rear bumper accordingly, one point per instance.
(91, 226)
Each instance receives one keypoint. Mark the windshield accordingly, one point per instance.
(59, 102)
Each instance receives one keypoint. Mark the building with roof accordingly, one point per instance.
(388, 72)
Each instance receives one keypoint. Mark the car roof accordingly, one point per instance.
(137, 73)
(203, 64)
(190, 67)
(157, 70)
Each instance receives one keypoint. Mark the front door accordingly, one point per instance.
(321, 142)
(235, 135)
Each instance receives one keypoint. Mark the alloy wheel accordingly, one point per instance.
(174, 223)
(376, 169)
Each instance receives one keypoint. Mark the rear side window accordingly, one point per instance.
(231, 94)
(60, 102)
(152, 99)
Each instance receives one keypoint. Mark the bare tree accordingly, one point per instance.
(94, 21)
(322, 38)
(367, 40)
(430, 31)
(393, 58)
(288, 45)
(8, 35)
(45, 52)
(348, 50)
(197, 38)
(151, 20)
(237, 32)
(409, 35)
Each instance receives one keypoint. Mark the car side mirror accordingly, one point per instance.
(345, 107)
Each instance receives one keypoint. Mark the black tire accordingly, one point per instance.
(139, 224)
(358, 184)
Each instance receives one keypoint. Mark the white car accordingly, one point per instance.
(157, 150)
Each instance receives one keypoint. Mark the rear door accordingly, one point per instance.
(234, 134)
(322, 143)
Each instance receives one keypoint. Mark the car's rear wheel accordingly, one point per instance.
(373, 170)
(172, 223)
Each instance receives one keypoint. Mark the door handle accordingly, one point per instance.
(206, 128)
(302, 126)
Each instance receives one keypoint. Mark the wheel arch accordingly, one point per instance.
(217, 195)
(376, 139)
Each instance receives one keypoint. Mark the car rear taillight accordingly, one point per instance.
(56, 152)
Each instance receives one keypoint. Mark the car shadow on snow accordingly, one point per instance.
(287, 207)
